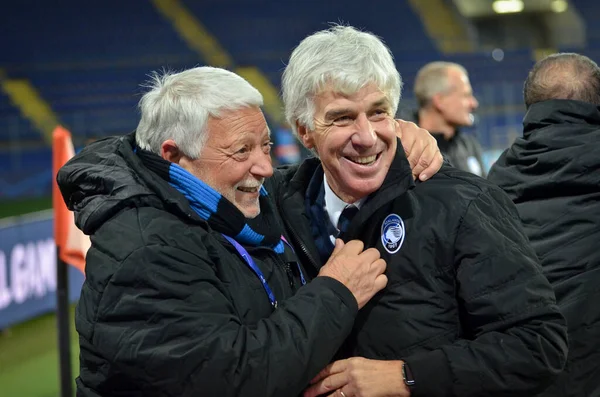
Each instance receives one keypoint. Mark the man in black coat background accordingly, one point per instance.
(552, 173)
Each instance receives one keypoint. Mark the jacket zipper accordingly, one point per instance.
(301, 245)
(290, 275)
(288, 271)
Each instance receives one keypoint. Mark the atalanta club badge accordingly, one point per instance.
(392, 233)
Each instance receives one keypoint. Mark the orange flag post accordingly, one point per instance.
(71, 247)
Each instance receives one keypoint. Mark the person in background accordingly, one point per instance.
(552, 173)
(446, 103)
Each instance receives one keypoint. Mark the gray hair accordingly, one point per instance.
(342, 56)
(178, 106)
(433, 79)
(563, 76)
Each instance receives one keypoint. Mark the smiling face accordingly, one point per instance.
(355, 139)
(236, 158)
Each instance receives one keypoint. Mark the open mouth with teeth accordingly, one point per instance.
(248, 189)
(363, 160)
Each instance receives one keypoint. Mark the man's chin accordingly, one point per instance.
(253, 215)
(250, 213)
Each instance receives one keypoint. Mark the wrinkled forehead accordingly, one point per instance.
(233, 123)
(368, 95)
(346, 87)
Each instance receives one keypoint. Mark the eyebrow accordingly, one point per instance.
(380, 103)
(244, 137)
(334, 114)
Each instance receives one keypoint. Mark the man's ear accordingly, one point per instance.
(436, 101)
(170, 151)
(305, 136)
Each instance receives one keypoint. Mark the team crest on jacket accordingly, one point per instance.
(392, 233)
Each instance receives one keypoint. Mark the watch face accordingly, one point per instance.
(407, 375)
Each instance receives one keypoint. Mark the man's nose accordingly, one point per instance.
(262, 166)
(365, 133)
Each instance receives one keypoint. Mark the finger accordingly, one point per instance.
(370, 255)
(333, 368)
(433, 167)
(407, 139)
(380, 282)
(425, 157)
(412, 152)
(340, 393)
(354, 247)
(327, 385)
(339, 244)
(379, 265)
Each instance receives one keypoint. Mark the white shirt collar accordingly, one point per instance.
(335, 205)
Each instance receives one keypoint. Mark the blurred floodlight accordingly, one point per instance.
(559, 5)
(507, 6)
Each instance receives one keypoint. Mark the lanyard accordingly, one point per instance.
(250, 262)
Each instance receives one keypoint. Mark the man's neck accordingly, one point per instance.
(435, 123)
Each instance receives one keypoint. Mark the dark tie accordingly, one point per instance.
(346, 218)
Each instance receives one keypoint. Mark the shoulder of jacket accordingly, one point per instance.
(453, 183)
(136, 228)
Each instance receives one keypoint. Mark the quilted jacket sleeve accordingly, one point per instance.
(165, 323)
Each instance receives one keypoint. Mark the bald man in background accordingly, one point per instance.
(552, 173)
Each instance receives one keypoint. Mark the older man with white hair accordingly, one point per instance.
(191, 288)
(467, 311)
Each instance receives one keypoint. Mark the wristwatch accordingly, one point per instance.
(407, 374)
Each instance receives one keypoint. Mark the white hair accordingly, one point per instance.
(178, 106)
(342, 58)
(433, 79)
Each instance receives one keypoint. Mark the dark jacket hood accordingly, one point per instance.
(558, 150)
(107, 176)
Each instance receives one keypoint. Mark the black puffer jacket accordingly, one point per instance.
(466, 305)
(169, 308)
(552, 174)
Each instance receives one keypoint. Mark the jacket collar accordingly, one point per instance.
(557, 152)
(559, 111)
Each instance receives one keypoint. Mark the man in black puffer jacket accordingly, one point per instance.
(467, 311)
(552, 174)
(190, 288)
